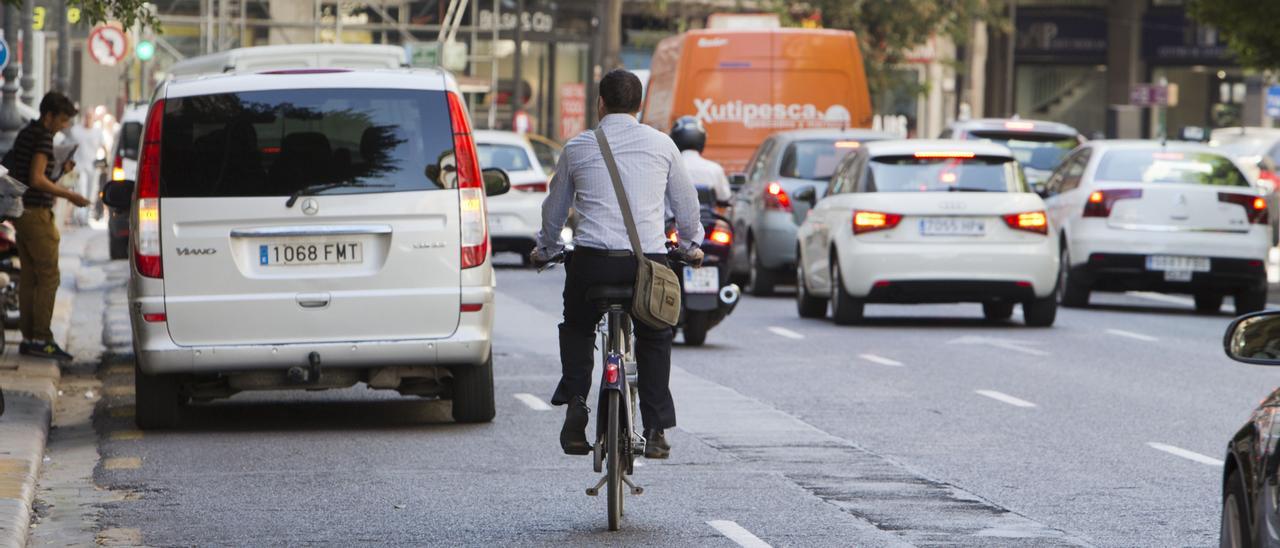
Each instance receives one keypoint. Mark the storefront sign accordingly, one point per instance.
(1168, 37)
(573, 110)
(1055, 34)
(530, 21)
(1153, 95)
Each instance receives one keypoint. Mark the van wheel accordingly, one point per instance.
(845, 309)
(1233, 533)
(997, 311)
(1071, 293)
(760, 280)
(1208, 303)
(1040, 312)
(807, 305)
(473, 392)
(1251, 300)
(159, 400)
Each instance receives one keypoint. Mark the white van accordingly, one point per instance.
(310, 229)
(262, 58)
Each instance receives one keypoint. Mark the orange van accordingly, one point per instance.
(747, 84)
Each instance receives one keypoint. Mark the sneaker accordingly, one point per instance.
(573, 436)
(655, 445)
(49, 350)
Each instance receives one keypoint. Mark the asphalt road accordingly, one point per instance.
(926, 426)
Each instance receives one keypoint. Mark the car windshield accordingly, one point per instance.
(507, 157)
(1042, 152)
(958, 173)
(1161, 166)
(815, 159)
(277, 142)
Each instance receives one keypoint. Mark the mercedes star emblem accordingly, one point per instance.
(310, 207)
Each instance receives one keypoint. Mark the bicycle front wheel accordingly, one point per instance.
(613, 464)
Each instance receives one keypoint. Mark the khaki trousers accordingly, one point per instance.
(38, 240)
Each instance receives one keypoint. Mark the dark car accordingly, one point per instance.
(1038, 146)
(1250, 483)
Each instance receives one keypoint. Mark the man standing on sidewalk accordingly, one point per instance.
(31, 161)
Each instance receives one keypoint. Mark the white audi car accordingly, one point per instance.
(514, 218)
(1171, 218)
(928, 221)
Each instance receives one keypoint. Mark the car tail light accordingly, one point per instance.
(1022, 126)
(871, 221)
(720, 233)
(1033, 221)
(117, 169)
(776, 198)
(1254, 206)
(146, 243)
(475, 232)
(531, 187)
(1100, 201)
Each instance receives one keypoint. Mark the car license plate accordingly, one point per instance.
(701, 280)
(310, 253)
(952, 226)
(1167, 263)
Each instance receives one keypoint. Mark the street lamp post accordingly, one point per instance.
(62, 76)
(10, 122)
(28, 45)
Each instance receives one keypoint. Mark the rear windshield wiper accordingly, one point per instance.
(318, 188)
(967, 189)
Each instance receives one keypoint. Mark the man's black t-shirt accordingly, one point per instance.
(33, 139)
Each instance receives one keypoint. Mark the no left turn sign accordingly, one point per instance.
(108, 45)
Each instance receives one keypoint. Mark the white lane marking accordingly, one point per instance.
(880, 360)
(1015, 345)
(535, 403)
(737, 534)
(1001, 396)
(1132, 335)
(1189, 455)
(784, 332)
(1163, 298)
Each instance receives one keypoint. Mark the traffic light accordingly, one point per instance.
(145, 50)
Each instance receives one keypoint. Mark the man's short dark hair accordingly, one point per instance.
(621, 91)
(56, 103)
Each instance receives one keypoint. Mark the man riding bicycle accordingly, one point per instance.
(653, 176)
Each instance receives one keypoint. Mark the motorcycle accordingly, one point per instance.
(706, 294)
(10, 270)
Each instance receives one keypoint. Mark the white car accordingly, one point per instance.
(514, 218)
(928, 221)
(310, 230)
(1172, 218)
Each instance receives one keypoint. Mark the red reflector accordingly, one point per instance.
(611, 373)
(1255, 263)
(1024, 284)
(155, 318)
(472, 307)
(882, 283)
(531, 187)
(271, 150)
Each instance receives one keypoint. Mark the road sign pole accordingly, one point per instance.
(28, 49)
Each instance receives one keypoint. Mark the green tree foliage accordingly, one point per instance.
(1249, 26)
(126, 12)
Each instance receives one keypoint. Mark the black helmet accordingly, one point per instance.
(688, 133)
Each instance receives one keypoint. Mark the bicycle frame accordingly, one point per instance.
(616, 441)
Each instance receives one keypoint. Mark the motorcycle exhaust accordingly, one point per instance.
(729, 294)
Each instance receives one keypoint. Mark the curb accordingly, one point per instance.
(30, 387)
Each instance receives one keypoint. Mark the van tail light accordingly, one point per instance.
(475, 230)
(871, 221)
(1255, 207)
(531, 187)
(117, 169)
(720, 233)
(1033, 221)
(1100, 201)
(776, 198)
(146, 244)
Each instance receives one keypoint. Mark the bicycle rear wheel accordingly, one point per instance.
(613, 464)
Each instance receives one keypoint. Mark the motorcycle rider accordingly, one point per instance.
(690, 137)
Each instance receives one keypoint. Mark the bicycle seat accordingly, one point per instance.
(610, 294)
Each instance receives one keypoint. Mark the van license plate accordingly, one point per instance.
(701, 280)
(952, 226)
(302, 254)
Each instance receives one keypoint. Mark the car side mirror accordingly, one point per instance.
(496, 181)
(1254, 338)
(1039, 187)
(736, 181)
(807, 194)
(118, 195)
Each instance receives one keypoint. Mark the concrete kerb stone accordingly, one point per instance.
(30, 386)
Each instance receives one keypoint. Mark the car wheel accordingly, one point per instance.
(807, 305)
(845, 309)
(158, 400)
(1040, 312)
(997, 311)
(1233, 533)
(760, 280)
(1071, 293)
(119, 248)
(1251, 300)
(696, 325)
(1208, 303)
(473, 392)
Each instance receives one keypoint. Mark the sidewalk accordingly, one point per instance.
(30, 387)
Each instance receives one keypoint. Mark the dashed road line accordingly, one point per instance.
(1001, 396)
(880, 360)
(122, 463)
(737, 534)
(1189, 455)
(784, 332)
(535, 403)
(1132, 335)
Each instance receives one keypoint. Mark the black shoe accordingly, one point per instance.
(27, 348)
(49, 350)
(655, 445)
(573, 436)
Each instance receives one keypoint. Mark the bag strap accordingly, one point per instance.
(623, 203)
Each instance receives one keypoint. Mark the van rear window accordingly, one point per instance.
(1163, 166)
(333, 141)
(130, 135)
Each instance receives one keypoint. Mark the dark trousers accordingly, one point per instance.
(578, 339)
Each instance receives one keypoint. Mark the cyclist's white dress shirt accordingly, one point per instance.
(653, 175)
(706, 173)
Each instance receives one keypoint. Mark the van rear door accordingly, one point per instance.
(309, 215)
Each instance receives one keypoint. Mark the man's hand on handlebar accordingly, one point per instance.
(692, 257)
(543, 262)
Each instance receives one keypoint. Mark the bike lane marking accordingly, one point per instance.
(880, 360)
(1001, 396)
(535, 403)
(1189, 455)
(784, 332)
(737, 534)
(1132, 335)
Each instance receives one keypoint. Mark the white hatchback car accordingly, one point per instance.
(310, 229)
(1172, 218)
(928, 221)
(514, 218)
